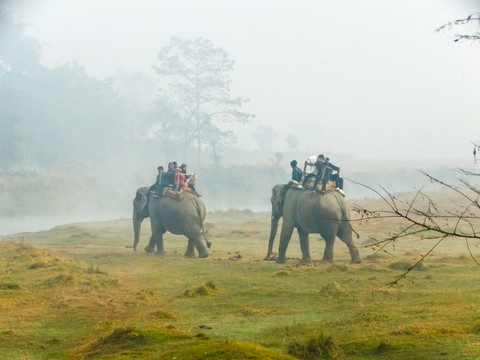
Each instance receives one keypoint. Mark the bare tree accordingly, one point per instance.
(425, 219)
(195, 78)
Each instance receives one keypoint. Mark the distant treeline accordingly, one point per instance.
(52, 192)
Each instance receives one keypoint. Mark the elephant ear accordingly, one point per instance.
(141, 199)
(277, 194)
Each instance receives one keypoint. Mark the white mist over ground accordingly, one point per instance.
(15, 225)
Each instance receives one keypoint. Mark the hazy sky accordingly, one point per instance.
(366, 78)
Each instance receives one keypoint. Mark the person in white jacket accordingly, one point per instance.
(310, 169)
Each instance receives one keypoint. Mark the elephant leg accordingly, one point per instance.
(156, 240)
(202, 250)
(190, 253)
(304, 245)
(151, 245)
(328, 252)
(346, 236)
(159, 243)
(285, 235)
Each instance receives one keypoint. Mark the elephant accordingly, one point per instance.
(184, 216)
(311, 212)
(277, 212)
(140, 212)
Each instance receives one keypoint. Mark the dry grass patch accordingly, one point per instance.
(202, 290)
(168, 343)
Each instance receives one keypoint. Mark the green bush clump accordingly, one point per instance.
(202, 290)
(317, 346)
(9, 286)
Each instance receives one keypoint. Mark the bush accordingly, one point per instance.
(316, 346)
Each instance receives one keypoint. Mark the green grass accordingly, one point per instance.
(96, 299)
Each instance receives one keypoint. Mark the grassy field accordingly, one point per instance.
(79, 291)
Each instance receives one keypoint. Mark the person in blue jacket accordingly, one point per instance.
(296, 171)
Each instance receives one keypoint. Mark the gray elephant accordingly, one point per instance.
(314, 213)
(277, 212)
(183, 216)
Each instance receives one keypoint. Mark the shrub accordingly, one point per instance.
(316, 346)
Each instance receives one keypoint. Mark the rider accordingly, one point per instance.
(179, 180)
(171, 167)
(338, 180)
(312, 169)
(325, 168)
(189, 178)
(296, 171)
(157, 187)
(296, 177)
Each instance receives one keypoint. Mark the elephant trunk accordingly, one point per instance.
(137, 225)
(140, 212)
(273, 233)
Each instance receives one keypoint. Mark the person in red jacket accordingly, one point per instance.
(179, 180)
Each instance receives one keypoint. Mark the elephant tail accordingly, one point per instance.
(199, 212)
(345, 216)
(350, 225)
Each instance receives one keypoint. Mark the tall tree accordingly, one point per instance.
(18, 52)
(195, 78)
(167, 127)
(54, 117)
(292, 141)
(19, 63)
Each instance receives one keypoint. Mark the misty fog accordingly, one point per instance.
(234, 90)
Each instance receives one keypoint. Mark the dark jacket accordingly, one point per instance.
(328, 166)
(297, 174)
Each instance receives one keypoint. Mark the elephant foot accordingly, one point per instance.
(280, 261)
(203, 256)
(356, 261)
(306, 261)
(270, 258)
(190, 255)
(149, 249)
(327, 261)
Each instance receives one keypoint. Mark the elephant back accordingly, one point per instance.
(179, 195)
(330, 186)
(313, 208)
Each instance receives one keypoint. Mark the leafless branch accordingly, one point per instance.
(425, 219)
(404, 274)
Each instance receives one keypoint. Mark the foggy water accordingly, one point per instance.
(10, 226)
